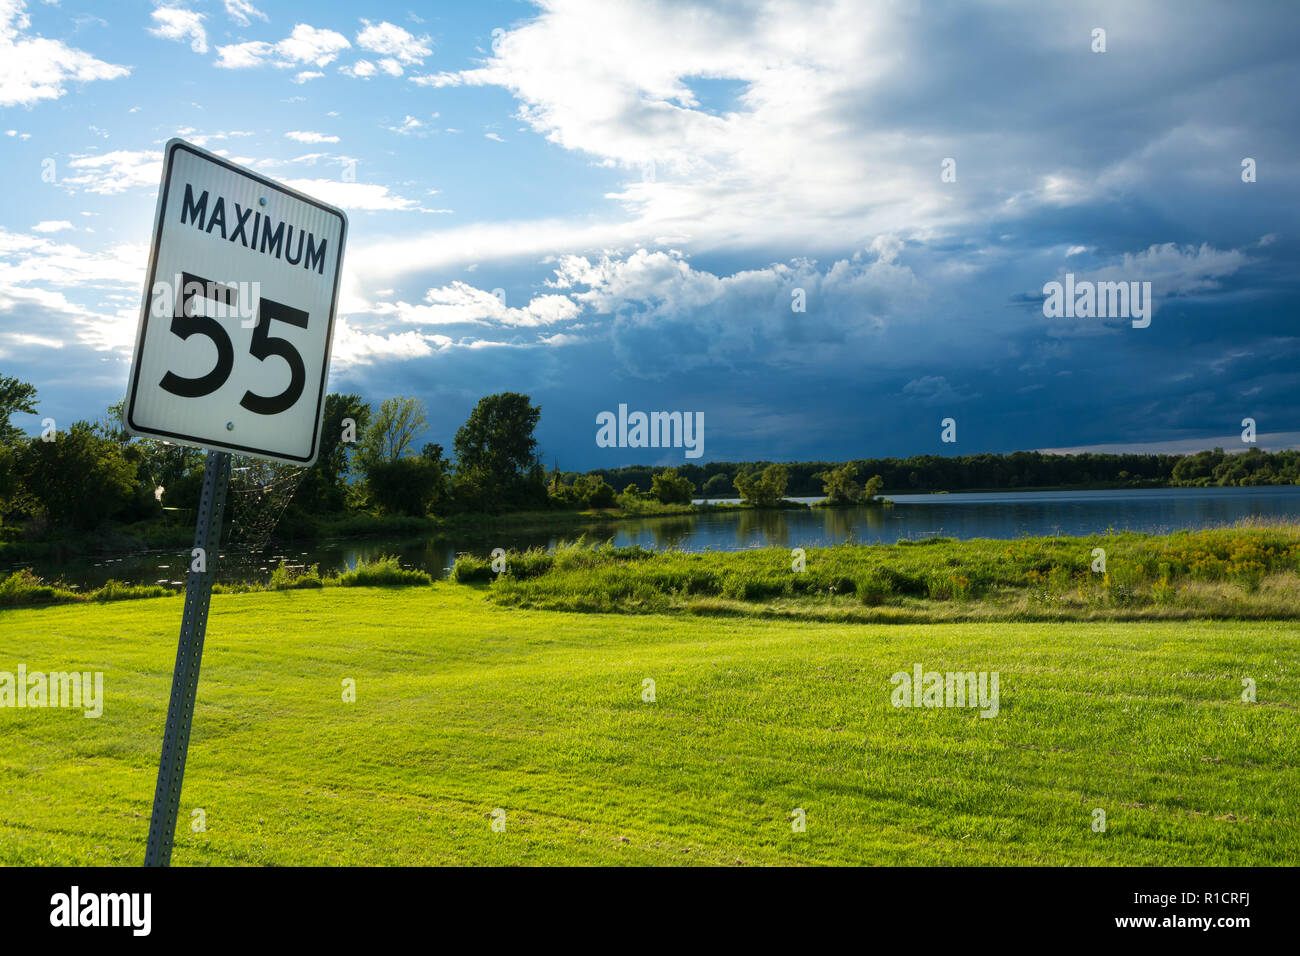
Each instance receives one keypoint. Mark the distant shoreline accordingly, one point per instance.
(175, 535)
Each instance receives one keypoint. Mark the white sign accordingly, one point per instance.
(238, 314)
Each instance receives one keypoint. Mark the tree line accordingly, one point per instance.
(92, 472)
(993, 472)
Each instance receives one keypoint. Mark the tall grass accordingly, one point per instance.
(1247, 571)
(385, 571)
(24, 588)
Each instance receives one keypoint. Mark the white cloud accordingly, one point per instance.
(663, 314)
(42, 277)
(355, 347)
(389, 40)
(461, 303)
(389, 258)
(114, 172)
(305, 45)
(408, 125)
(784, 123)
(242, 12)
(33, 68)
(52, 225)
(438, 79)
(935, 391)
(699, 318)
(362, 68)
(239, 56)
(306, 136)
(1173, 270)
(179, 24)
(350, 196)
(27, 260)
(307, 75)
(309, 45)
(203, 139)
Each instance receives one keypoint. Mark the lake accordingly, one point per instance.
(1005, 515)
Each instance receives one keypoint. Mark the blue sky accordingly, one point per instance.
(601, 203)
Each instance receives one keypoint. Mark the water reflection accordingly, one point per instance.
(912, 516)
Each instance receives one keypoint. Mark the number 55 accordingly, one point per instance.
(263, 346)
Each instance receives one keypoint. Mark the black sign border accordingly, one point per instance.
(131, 426)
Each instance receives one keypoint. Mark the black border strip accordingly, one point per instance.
(159, 219)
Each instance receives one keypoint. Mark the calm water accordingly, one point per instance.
(995, 515)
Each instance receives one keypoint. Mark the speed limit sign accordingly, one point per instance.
(233, 347)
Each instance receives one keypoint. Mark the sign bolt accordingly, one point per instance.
(230, 426)
(262, 201)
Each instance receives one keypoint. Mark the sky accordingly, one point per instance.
(826, 227)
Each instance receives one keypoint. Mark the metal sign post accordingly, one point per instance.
(189, 655)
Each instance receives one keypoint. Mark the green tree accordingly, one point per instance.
(1197, 469)
(718, 486)
(323, 489)
(15, 396)
(496, 454)
(145, 455)
(392, 431)
(440, 495)
(669, 487)
(78, 479)
(403, 486)
(841, 484)
(587, 491)
(766, 488)
(597, 494)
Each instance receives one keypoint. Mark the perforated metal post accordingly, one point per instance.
(189, 655)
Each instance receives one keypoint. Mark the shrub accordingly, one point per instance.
(765, 488)
(600, 495)
(382, 572)
(872, 590)
(670, 488)
(285, 578)
(406, 486)
(904, 583)
(24, 587)
(121, 591)
(469, 569)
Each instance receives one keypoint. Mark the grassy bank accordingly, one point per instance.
(23, 588)
(1239, 572)
(463, 707)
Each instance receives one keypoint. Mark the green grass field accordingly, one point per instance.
(464, 706)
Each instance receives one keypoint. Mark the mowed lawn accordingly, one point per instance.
(464, 707)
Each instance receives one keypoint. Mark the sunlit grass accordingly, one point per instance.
(463, 707)
(1245, 572)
